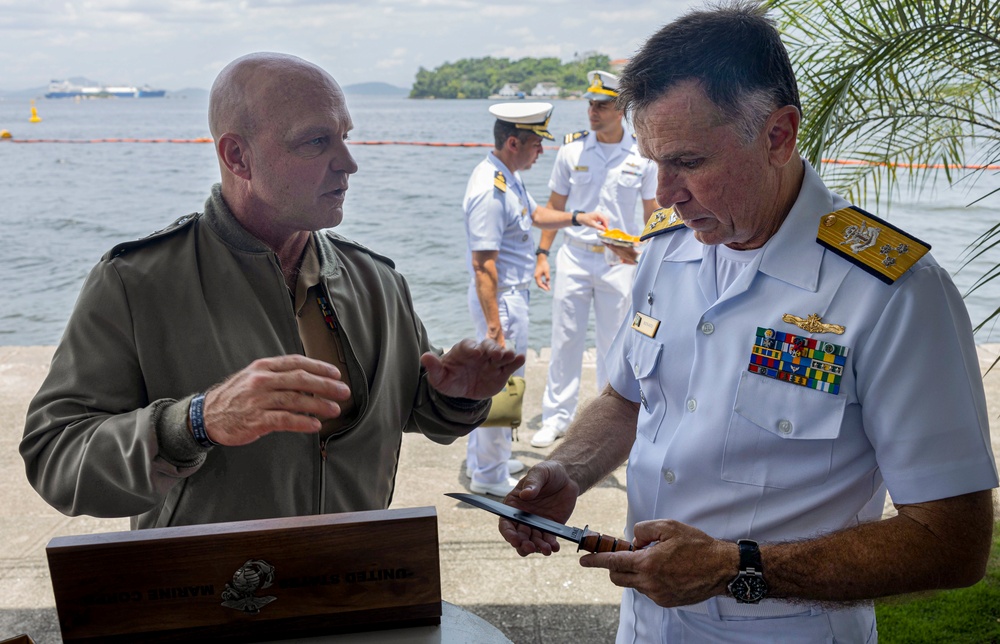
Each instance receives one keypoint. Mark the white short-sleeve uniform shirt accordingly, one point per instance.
(500, 219)
(740, 455)
(592, 179)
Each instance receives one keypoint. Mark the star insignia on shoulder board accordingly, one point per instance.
(663, 220)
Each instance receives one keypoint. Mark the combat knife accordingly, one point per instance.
(588, 540)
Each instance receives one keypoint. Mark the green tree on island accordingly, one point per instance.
(898, 85)
(481, 77)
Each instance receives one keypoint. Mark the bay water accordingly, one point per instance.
(62, 205)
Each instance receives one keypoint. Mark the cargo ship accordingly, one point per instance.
(66, 89)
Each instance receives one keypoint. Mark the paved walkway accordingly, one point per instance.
(533, 600)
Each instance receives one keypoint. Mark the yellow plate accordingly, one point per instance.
(617, 240)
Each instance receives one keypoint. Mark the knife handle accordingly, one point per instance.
(596, 542)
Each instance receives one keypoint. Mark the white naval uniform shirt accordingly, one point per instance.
(613, 184)
(739, 455)
(501, 221)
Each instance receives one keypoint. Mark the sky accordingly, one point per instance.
(178, 44)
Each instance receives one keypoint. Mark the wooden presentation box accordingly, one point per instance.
(250, 580)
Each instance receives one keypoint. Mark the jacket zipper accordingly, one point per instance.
(330, 317)
(321, 499)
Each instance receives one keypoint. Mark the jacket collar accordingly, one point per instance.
(792, 254)
(222, 221)
(626, 143)
(502, 167)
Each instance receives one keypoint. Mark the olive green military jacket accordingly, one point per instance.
(166, 317)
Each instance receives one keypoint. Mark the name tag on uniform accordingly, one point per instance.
(645, 324)
(581, 168)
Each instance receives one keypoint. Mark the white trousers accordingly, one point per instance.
(582, 278)
(489, 447)
(643, 622)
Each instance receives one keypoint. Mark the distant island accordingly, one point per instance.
(503, 78)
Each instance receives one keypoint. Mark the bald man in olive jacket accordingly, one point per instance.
(245, 363)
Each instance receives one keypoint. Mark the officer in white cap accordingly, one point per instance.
(597, 169)
(499, 214)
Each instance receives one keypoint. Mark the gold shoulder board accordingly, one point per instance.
(872, 243)
(664, 220)
(569, 138)
(499, 182)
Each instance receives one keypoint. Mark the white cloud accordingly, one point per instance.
(397, 57)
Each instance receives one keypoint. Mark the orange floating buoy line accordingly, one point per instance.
(5, 135)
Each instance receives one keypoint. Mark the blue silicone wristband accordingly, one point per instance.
(196, 413)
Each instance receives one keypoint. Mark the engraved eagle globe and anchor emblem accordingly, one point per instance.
(254, 575)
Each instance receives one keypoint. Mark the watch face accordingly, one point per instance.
(748, 588)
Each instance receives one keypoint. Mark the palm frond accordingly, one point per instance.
(898, 86)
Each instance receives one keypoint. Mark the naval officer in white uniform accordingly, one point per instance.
(600, 169)
(499, 214)
(788, 360)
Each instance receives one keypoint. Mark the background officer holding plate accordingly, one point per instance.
(499, 214)
(788, 360)
(599, 169)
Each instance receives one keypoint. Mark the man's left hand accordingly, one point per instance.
(681, 565)
(470, 370)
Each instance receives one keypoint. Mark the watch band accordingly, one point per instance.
(749, 586)
(749, 555)
(196, 415)
(575, 213)
(542, 251)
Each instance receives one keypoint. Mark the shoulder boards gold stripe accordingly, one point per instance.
(664, 220)
(569, 138)
(499, 181)
(872, 243)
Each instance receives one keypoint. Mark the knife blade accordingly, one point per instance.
(588, 540)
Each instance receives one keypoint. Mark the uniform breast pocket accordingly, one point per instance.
(780, 434)
(579, 178)
(629, 180)
(644, 357)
